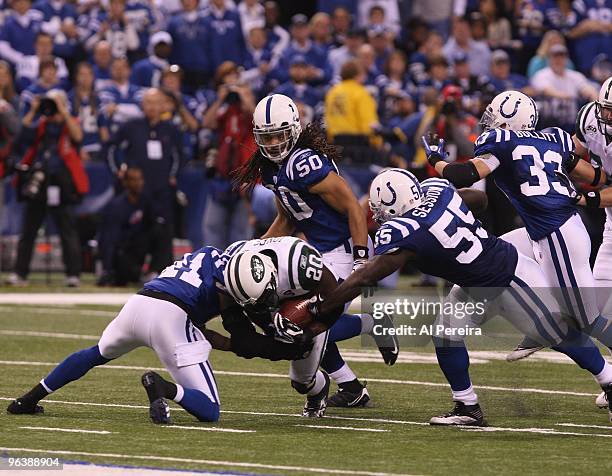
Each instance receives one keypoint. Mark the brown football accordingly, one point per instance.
(295, 309)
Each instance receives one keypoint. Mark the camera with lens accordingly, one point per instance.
(449, 107)
(32, 180)
(47, 106)
(233, 97)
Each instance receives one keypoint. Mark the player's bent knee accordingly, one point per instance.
(212, 414)
(302, 388)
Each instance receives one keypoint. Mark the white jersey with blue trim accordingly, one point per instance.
(324, 227)
(448, 241)
(195, 281)
(525, 165)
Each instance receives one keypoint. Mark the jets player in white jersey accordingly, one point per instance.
(312, 198)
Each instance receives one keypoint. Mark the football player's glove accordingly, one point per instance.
(286, 331)
(434, 148)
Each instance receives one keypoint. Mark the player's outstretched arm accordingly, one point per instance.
(281, 226)
(583, 170)
(373, 271)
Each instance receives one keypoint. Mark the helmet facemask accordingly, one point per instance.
(275, 144)
(488, 121)
(603, 114)
(268, 302)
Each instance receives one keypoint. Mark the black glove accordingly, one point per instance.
(286, 331)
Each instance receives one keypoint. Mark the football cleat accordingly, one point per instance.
(608, 392)
(20, 406)
(316, 404)
(350, 399)
(461, 415)
(602, 401)
(390, 349)
(159, 410)
(526, 348)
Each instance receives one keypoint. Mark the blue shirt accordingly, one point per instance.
(528, 163)
(324, 227)
(193, 281)
(448, 241)
(592, 44)
(190, 37)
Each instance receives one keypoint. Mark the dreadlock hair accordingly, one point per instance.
(312, 137)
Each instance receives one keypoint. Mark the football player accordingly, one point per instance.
(431, 224)
(297, 269)
(312, 198)
(166, 316)
(527, 166)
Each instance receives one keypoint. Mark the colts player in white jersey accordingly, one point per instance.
(312, 199)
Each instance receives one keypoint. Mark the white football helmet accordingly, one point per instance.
(603, 108)
(251, 279)
(511, 110)
(276, 126)
(393, 192)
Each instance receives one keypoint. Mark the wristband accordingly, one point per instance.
(360, 252)
(593, 199)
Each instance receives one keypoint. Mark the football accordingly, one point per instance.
(296, 310)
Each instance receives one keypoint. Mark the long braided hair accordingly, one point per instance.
(312, 137)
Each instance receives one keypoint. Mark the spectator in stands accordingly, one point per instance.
(393, 84)
(10, 122)
(478, 53)
(120, 101)
(114, 27)
(319, 71)
(561, 16)
(561, 90)
(439, 73)
(251, 13)
(437, 14)
(341, 25)
(125, 232)
(28, 65)
(499, 29)
(540, 60)
(140, 15)
(503, 79)
(530, 24)
(593, 33)
(8, 91)
(320, 25)
(47, 80)
(298, 89)
(352, 41)
(85, 105)
(387, 12)
(258, 60)
(278, 37)
(379, 38)
(350, 110)
(51, 181)
(154, 146)
(226, 42)
(226, 218)
(18, 34)
(473, 87)
(602, 68)
(146, 73)
(102, 59)
(189, 38)
(59, 21)
(367, 57)
(419, 62)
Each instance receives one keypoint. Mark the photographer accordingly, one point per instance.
(50, 179)
(230, 116)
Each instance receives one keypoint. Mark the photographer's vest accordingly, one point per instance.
(67, 153)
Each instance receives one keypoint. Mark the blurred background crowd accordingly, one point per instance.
(121, 121)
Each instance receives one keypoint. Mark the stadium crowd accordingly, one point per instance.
(152, 88)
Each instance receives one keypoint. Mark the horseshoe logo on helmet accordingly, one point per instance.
(514, 111)
(393, 193)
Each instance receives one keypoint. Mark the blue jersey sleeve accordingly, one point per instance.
(307, 168)
(488, 142)
(395, 235)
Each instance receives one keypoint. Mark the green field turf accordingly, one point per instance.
(528, 437)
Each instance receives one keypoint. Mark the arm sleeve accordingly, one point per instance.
(461, 175)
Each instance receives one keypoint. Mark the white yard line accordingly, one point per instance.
(66, 430)
(57, 335)
(236, 464)
(283, 376)
(542, 431)
(350, 428)
(576, 425)
(207, 428)
(61, 311)
(94, 299)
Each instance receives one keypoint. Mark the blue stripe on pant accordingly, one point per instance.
(572, 277)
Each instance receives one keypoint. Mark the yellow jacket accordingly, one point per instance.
(349, 109)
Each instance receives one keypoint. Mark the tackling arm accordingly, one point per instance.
(281, 226)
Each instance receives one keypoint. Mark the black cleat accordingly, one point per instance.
(23, 407)
(159, 410)
(316, 404)
(461, 415)
(389, 349)
(608, 392)
(350, 398)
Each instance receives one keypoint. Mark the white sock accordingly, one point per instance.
(605, 376)
(343, 374)
(42, 382)
(367, 323)
(319, 384)
(467, 396)
(180, 393)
